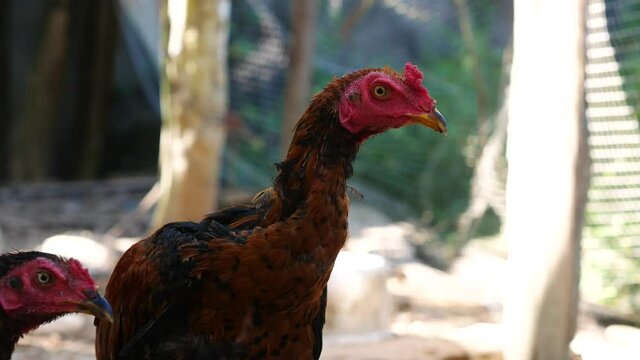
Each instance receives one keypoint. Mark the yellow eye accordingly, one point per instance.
(44, 277)
(380, 91)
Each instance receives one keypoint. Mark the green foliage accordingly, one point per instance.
(623, 19)
(610, 272)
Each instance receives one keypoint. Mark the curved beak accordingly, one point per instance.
(433, 120)
(96, 305)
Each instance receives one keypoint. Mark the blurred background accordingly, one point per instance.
(118, 116)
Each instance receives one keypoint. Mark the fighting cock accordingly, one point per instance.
(249, 282)
(36, 288)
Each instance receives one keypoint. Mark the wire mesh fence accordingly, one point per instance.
(401, 170)
(612, 84)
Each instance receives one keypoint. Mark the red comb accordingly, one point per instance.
(413, 76)
(413, 80)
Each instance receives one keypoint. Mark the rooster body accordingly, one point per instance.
(249, 282)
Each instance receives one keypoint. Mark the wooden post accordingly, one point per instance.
(97, 76)
(298, 86)
(547, 181)
(31, 138)
(194, 102)
(5, 93)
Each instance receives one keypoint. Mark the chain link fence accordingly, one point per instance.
(612, 92)
(402, 171)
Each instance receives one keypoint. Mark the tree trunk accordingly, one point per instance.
(97, 74)
(547, 181)
(298, 86)
(5, 100)
(31, 137)
(194, 102)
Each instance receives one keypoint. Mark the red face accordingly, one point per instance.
(45, 287)
(382, 100)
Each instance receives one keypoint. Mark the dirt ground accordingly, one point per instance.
(434, 315)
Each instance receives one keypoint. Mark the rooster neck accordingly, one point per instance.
(319, 160)
(12, 328)
(8, 339)
(6, 349)
(311, 189)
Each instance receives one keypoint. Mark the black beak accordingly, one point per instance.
(97, 306)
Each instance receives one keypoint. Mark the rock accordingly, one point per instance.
(484, 274)
(594, 345)
(68, 324)
(389, 241)
(362, 216)
(359, 306)
(397, 348)
(124, 243)
(96, 257)
(54, 347)
(623, 335)
(386, 238)
(481, 340)
(423, 284)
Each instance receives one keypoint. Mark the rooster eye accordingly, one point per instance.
(380, 91)
(43, 277)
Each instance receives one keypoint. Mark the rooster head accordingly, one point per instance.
(383, 99)
(41, 287)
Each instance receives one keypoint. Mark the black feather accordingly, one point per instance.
(177, 291)
(318, 325)
(199, 348)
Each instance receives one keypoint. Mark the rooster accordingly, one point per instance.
(36, 288)
(249, 282)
